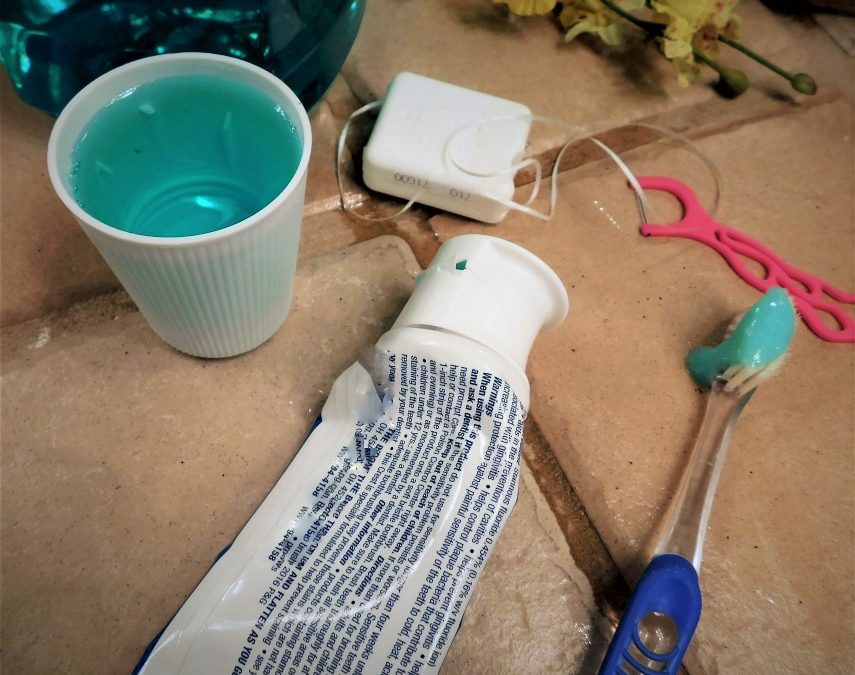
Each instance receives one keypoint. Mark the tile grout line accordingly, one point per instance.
(629, 136)
(610, 589)
(586, 546)
(621, 139)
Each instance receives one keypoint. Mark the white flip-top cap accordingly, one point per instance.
(489, 290)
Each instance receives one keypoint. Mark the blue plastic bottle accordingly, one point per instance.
(53, 48)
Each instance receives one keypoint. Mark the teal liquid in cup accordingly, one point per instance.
(184, 155)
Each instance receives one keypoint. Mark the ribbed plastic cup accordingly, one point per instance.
(212, 295)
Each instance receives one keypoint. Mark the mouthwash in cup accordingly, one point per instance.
(184, 155)
(188, 173)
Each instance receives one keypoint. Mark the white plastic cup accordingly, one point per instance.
(212, 295)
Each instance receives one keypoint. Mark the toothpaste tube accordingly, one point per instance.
(364, 555)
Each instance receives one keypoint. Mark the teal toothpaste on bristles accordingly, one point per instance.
(754, 347)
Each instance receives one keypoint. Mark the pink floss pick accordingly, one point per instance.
(810, 293)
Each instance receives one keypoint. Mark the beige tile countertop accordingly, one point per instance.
(126, 467)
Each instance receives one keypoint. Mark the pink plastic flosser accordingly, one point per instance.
(810, 293)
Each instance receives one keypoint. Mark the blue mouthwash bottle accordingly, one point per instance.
(53, 48)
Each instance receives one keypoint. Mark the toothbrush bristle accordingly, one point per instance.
(742, 379)
(754, 344)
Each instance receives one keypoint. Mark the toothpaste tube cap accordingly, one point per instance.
(490, 291)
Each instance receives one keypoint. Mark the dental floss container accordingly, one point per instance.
(447, 146)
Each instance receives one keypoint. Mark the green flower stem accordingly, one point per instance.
(754, 55)
(650, 26)
(801, 82)
(701, 56)
(658, 29)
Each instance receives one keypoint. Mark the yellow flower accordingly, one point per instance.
(592, 16)
(597, 23)
(693, 23)
(528, 7)
(687, 24)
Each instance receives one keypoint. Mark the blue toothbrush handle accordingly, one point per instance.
(669, 587)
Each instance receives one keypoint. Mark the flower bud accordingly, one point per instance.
(804, 84)
(733, 82)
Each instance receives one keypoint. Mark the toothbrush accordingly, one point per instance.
(665, 607)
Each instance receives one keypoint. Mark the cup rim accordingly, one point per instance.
(193, 239)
